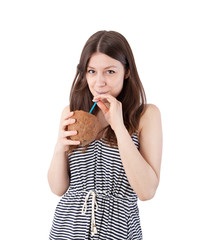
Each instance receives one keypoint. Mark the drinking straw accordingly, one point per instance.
(93, 106)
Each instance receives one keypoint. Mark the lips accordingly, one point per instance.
(101, 92)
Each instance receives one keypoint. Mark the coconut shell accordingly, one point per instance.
(87, 126)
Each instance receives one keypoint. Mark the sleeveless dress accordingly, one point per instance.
(100, 203)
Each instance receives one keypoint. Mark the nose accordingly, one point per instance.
(100, 80)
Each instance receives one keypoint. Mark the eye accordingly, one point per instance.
(110, 71)
(91, 71)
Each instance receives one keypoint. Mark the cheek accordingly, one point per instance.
(90, 85)
(118, 86)
(119, 82)
(89, 82)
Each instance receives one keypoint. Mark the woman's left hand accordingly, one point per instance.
(113, 114)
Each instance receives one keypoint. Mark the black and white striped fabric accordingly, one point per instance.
(100, 203)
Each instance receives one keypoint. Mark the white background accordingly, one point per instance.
(40, 46)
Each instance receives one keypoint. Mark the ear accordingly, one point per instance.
(127, 74)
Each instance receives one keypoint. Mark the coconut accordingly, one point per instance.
(87, 126)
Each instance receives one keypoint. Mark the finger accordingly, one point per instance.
(70, 142)
(67, 122)
(102, 106)
(70, 114)
(108, 97)
(70, 133)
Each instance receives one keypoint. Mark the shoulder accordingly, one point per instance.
(150, 113)
(65, 111)
(151, 110)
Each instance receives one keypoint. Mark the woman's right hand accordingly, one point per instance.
(64, 140)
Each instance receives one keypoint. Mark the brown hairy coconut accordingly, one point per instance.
(87, 126)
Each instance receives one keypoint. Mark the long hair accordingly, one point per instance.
(132, 95)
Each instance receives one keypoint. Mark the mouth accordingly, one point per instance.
(101, 92)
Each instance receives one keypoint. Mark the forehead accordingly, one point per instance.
(101, 60)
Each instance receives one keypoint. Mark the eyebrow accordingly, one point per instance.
(111, 66)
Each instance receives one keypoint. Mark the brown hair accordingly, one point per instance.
(132, 96)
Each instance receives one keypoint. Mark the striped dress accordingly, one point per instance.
(100, 203)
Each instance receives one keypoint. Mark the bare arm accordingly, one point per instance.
(143, 168)
(58, 173)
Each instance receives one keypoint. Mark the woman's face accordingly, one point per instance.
(105, 75)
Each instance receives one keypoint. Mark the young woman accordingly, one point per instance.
(102, 181)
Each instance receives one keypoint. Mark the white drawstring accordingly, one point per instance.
(84, 209)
